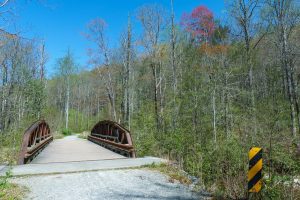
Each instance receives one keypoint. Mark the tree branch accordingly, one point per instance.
(4, 3)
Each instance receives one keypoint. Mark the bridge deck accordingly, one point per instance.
(72, 148)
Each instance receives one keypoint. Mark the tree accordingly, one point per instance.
(200, 23)
(174, 66)
(244, 13)
(2, 4)
(284, 15)
(66, 66)
(152, 18)
(127, 52)
(43, 60)
(96, 34)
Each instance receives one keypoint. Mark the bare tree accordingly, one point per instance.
(152, 18)
(66, 69)
(173, 64)
(2, 4)
(127, 51)
(43, 60)
(284, 15)
(96, 33)
(245, 12)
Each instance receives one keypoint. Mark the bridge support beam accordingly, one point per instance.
(35, 139)
(113, 136)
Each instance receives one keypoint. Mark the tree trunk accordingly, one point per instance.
(288, 71)
(214, 114)
(226, 102)
(154, 73)
(174, 68)
(67, 103)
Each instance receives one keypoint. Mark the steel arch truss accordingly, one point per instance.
(113, 136)
(35, 139)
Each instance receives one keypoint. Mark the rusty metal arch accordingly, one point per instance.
(35, 139)
(113, 136)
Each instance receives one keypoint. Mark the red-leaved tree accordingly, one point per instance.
(200, 23)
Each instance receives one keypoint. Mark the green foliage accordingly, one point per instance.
(144, 134)
(225, 164)
(10, 143)
(4, 179)
(280, 187)
(80, 122)
(9, 191)
(67, 132)
(206, 124)
(35, 95)
(172, 171)
(283, 163)
(84, 134)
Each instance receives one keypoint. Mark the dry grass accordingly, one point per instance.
(8, 155)
(58, 135)
(84, 135)
(173, 172)
(12, 192)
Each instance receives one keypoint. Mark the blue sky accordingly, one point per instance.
(60, 23)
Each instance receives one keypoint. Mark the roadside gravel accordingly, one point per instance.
(111, 184)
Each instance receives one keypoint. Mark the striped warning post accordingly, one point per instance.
(255, 170)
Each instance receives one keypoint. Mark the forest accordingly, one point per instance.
(192, 88)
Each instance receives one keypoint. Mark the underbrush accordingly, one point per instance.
(281, 187)
(61, 133)
(10, 191)
(84, 135)
(58, 135)
(222, 167)
(10, 143)
(172, 171)
(66, 132)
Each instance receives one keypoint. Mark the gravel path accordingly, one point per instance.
(112, 184)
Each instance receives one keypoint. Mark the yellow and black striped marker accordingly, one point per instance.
(255, 170)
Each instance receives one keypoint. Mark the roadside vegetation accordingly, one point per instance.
(10, 191)
(84, 134)
(199, 91)
(172, 171)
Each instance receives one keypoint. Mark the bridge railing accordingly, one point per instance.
(35, 139)
(113, 136)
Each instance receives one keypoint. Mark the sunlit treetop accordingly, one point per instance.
(200, 23)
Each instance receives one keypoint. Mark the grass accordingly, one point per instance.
(57, 135)
(281, 187)
(10, 191)
(8, 155)
(173, 172)
(61, 133)
(67, 132)
(10, 143)
(83, 135)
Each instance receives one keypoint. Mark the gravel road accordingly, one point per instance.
(111, 184)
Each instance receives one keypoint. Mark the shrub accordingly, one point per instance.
(66, 132)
